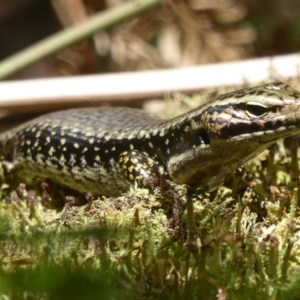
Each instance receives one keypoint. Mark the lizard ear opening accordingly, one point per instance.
(203, 137)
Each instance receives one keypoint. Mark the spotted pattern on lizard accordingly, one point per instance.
(106, 150)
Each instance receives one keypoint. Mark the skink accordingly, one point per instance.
(106, 150)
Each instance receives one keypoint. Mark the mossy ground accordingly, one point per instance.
(228, 246)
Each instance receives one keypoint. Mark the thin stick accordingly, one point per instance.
(69, 36)
(128, 87)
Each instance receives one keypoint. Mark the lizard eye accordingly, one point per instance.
(255, 109)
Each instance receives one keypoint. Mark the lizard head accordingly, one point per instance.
(262, 114)
(228, 131)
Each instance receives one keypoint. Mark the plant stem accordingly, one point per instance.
(72, 35)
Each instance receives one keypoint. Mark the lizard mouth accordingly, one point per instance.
(267, 136)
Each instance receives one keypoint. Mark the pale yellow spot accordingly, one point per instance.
(161, 170)
(51, 151)
(72, 159)
(62, 159)
(83, 161)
